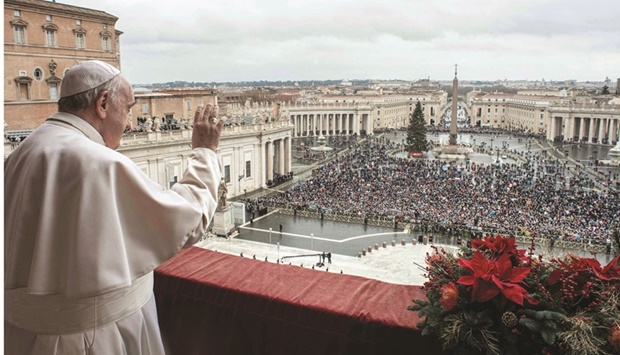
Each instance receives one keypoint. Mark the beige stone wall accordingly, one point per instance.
(162, 104)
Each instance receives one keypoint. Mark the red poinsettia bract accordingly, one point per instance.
(499, 246)
(491, 277)
(582, 266)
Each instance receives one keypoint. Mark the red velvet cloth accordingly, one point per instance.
(215, 303)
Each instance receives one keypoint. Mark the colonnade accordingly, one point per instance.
(316, 124)
(601, 130)
(277, 157)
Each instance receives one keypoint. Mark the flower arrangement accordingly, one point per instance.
(497, 299)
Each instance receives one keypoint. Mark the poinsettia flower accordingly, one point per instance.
(489, 278)
(611, 270)
(584, 266)
(498, 246)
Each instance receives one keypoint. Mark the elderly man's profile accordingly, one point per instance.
(85, 227)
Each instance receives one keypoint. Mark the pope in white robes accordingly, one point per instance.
(85, 227)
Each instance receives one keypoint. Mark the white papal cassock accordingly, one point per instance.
(84, 228)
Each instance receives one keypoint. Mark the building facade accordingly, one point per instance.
(354, 114)
(250, 155)
(584, 122)
(43, 39)
(525, 113)
(164, 106)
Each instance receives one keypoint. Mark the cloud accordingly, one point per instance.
(242, 40)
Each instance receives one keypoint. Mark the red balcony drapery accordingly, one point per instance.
(214, 303)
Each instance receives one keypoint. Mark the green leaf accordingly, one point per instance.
(548, 337)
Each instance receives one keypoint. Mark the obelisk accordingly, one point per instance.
(455, 99)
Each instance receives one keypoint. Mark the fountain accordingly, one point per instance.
(322, 147)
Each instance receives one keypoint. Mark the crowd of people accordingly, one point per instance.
(542, 197)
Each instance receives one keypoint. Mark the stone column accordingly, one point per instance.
(320, 123)
(592, 129)
(317, 123)
(336, 118)
(315, 119)
(287, 155)
(601, 129)
(553, 128)
(346, 123)
(276, 155)
(304, 124)
(368, 126)
(269, 146)
(582, 127)
(327, 123)
(281, 157)
(613, 131)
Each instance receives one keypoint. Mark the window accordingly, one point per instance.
(48, 17)
(248, 168)
(17, 13)
(227, 174)
(53, 91)
(79, 40)
(105, 26)
(38, 74)
(145, 109)
(50, 37)
(18, 32)
(78, 22)
(189, 105)
(105, 43)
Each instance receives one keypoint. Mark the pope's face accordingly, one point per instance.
(117, 118)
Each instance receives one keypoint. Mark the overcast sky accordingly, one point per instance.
(244, 40)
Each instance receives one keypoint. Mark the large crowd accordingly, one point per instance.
(541, 197)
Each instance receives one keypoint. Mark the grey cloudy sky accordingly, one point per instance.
(245, 40)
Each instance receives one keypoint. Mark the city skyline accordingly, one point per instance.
(329, 40)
